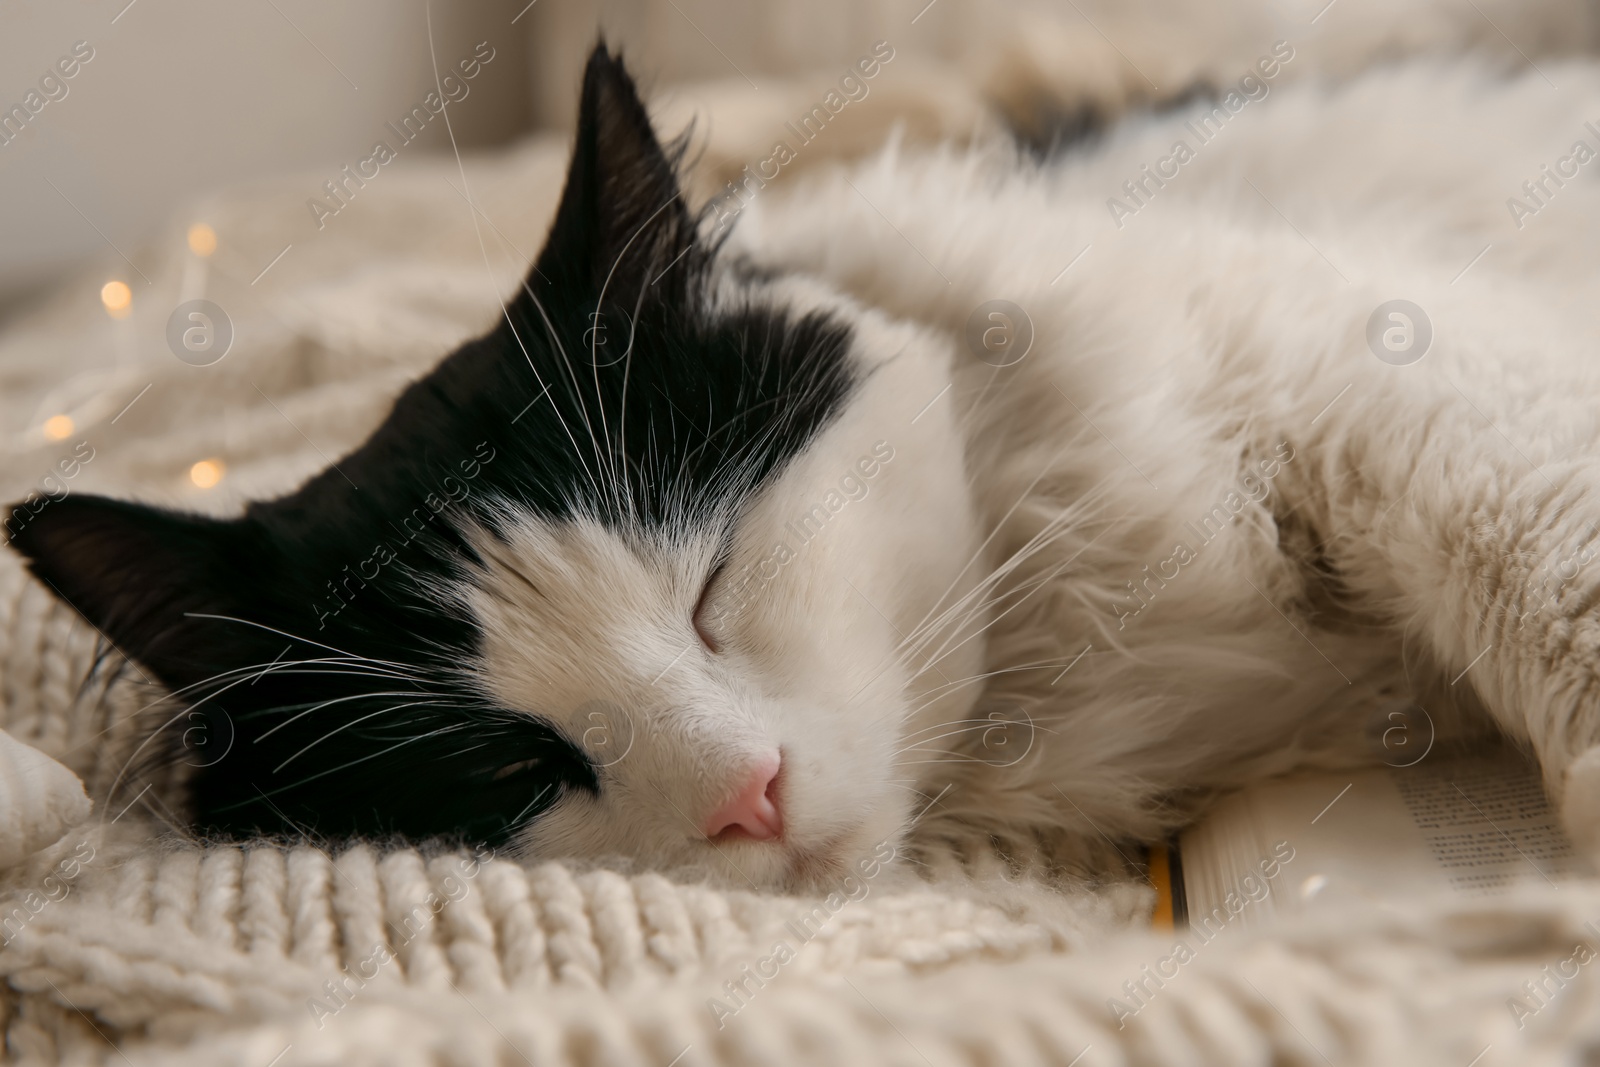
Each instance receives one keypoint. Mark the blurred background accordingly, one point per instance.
(156, 153)
(180, 97)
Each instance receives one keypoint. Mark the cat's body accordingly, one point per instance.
(762, 553)
(1207, 362)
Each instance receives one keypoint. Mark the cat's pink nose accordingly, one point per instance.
(754, 810)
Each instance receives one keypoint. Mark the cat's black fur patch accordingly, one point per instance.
(302, 636)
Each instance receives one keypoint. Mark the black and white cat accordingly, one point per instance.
(729, 552)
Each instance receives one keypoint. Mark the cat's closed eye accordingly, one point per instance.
(516, 768)
(706, 613)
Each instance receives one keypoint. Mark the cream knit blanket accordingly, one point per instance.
(127, 943)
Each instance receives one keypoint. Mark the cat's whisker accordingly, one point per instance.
(622, 404)
(1074, 515)
(504, 310)
(920, 638)
(956, 757)
(976, 726)
(969, 724)
(906, 658)
(116, 782)
(540, 795)
(309, 666)
(167, 694)
(1031, 588)
(1026, 592)
(353, 722)
(360, 759)
(937, 693)
(964, 616)
(293, 637)
(599, 311)
(998, 525)
(919, 746)
(182, 713)
(548, 388)
(278, 709)
(330, 703)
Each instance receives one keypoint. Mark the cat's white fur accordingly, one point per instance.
(807, 657)
(984, 580)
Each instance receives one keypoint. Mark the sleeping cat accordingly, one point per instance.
(949, 494)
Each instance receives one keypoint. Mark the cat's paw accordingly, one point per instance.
(40, 800)
(1580, 803)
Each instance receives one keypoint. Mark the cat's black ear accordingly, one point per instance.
(622, 218)
(142, 576)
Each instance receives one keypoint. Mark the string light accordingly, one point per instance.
(117, 298)
(202, 240)
(207, 473)
(58, 427)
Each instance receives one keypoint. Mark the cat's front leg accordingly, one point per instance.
(1580, 801)
(1546, 684)
(1491, 560)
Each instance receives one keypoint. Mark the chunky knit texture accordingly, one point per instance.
(127, 943)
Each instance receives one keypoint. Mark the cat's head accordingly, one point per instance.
(649, 571)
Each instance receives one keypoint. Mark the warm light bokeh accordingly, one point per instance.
(202, 239)
(207, 473)
(117, 298)
(58, 427)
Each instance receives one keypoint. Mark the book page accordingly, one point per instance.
(1475, 824)
(1487, 824)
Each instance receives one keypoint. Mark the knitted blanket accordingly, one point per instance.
(126, 941)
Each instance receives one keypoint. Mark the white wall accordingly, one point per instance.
(183, 96)
(727, 40)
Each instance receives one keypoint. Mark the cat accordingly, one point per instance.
(936, 496)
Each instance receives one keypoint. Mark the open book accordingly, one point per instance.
(1475, 823)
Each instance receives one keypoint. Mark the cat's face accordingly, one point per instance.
(653, 571)
(691, 661)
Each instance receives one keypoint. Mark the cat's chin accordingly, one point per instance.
(816, 867)
(836, 864)
(840, 863)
